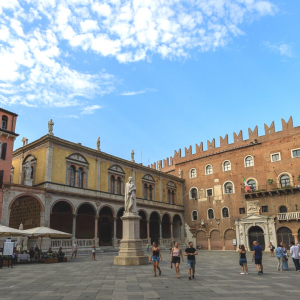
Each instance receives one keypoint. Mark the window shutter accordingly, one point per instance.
(1, 178)
(3, 152)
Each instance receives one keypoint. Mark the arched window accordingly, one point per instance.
(4, 122)
(228, 188)
(72, 174)
(282, 209)
(193, 173)
(211, 214)
(194, 193)
(252, 184)
(226, 165)
(225, 212)
(150, 192)
(112, 184)
(195, 215)
(80, 178)
(145, 191)
(119, 185)
(208, 170)
(249, 161)
(285, 181)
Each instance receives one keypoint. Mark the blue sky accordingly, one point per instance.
(153, 76)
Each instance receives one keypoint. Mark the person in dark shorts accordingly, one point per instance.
(175, 257)
(190, 252)
(243, 260)
(257, 256)
(155, 258)
(272, 249)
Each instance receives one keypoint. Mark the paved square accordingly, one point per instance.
(217, 277)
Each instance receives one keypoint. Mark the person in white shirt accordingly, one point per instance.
(74, 249)
(294, 252)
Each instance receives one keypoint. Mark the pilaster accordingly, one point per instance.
(49, 160)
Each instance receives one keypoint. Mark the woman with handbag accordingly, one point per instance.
(175, 258)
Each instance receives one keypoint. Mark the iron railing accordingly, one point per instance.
(270, 189)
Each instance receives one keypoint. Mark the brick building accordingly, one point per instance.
(219, 212)
(7, 138)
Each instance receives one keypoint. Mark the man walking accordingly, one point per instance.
(190, 252)
(294, 252)
(257, 255)
(74, 249)
(280, 256)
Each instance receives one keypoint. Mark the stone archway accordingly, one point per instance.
(166, 227)
(256, 233)
(215, 240)
(154, 227)
(201, 240)
(26, 210)
(284, 235)
(85, 222)
(106, 226)
(61, 217)
(119, 232)
(143, 225)
(228, 239)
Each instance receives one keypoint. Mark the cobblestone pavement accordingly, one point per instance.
(217, 277)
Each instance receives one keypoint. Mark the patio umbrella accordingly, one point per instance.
(46, 232)
(8, 231)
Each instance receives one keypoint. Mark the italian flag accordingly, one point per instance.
(247, 187)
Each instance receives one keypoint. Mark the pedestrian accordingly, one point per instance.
(190, 252)
(294, 252)
(148, 248)
(280, 254)
(285, 264)
(272, 248)
(31, 254)
(171, 246)
(257, 256)
(156, 258)
(74, 249)
(175, 257)
(94, 253)
(243, 260)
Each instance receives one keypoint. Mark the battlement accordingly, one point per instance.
(288, 129)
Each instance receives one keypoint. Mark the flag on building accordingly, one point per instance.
(247, 187)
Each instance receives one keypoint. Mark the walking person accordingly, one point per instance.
(294, 252)
(156, 258)
(272, 248)
(280, 256)
(148, 248)
(74, 249)
(257, 256)
(190, 252)
(175, 257)
(243, 260)
(285, 263)
(94, 253)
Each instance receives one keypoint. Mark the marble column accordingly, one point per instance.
(74, 227)
(148, 232)
(115, 241)
(237, 233)
(42, 218)
(295, 238)
(96, 228)
(208, 243)
(160, 230)
(267, 241)
(172, 234)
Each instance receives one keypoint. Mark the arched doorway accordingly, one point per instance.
(284, 235)
(143, 225)
(85, 222)
(166, 227)
(256, 234)
(177, 227)
(106, 226)
(229, 236)
(202, 240)
(120, 223)
(61, 217)
(154, 227)
(215, 240)
(25, 210)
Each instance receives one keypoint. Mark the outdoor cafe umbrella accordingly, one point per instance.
(8, 231)
(46, 232)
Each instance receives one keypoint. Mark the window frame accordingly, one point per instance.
(245, 164)
(193, 215)
(223, 164)
(190, 194)
(281, 211)
(191, 170)
(225, 207)
(296, 149)
(213, 214)
(290, 181)
(275, 154)
(212, 192)
(233, 188)
(242, 208)
(256, 183)
(4, 118)
(212, 169)
(266, 207)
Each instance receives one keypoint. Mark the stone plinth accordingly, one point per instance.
(131, 252)
(28, 182)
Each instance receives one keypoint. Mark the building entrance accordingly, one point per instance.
(256, 234)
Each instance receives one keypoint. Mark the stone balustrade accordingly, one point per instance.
(289, 216)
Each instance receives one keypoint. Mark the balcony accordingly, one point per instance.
(291, 216)
(270, 190)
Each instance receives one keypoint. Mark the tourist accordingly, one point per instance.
(285, 264)
(50, 250)
(94, 253)
(243, 260)
(294, 252)
(74, 249)
(175, 257)
(155, 258)
(190, 252)
(257, 255)
(280, 254)
(148, 248)
(272, 248)
(31, 254)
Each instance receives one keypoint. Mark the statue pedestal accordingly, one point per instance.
(28, 182)
(131, 252)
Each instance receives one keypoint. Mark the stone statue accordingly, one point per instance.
(20, 238)
(130, 196)
(25, 242)
(98, 144)
(50, 127)
(132, 156)
(12, 170)
(253, 207)
(180, 173)
(27, 168)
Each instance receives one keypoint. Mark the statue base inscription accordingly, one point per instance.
(131, 252)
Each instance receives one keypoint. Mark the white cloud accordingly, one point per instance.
(132, 93)
(282, 49)
(89, 25)
(88, 110)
